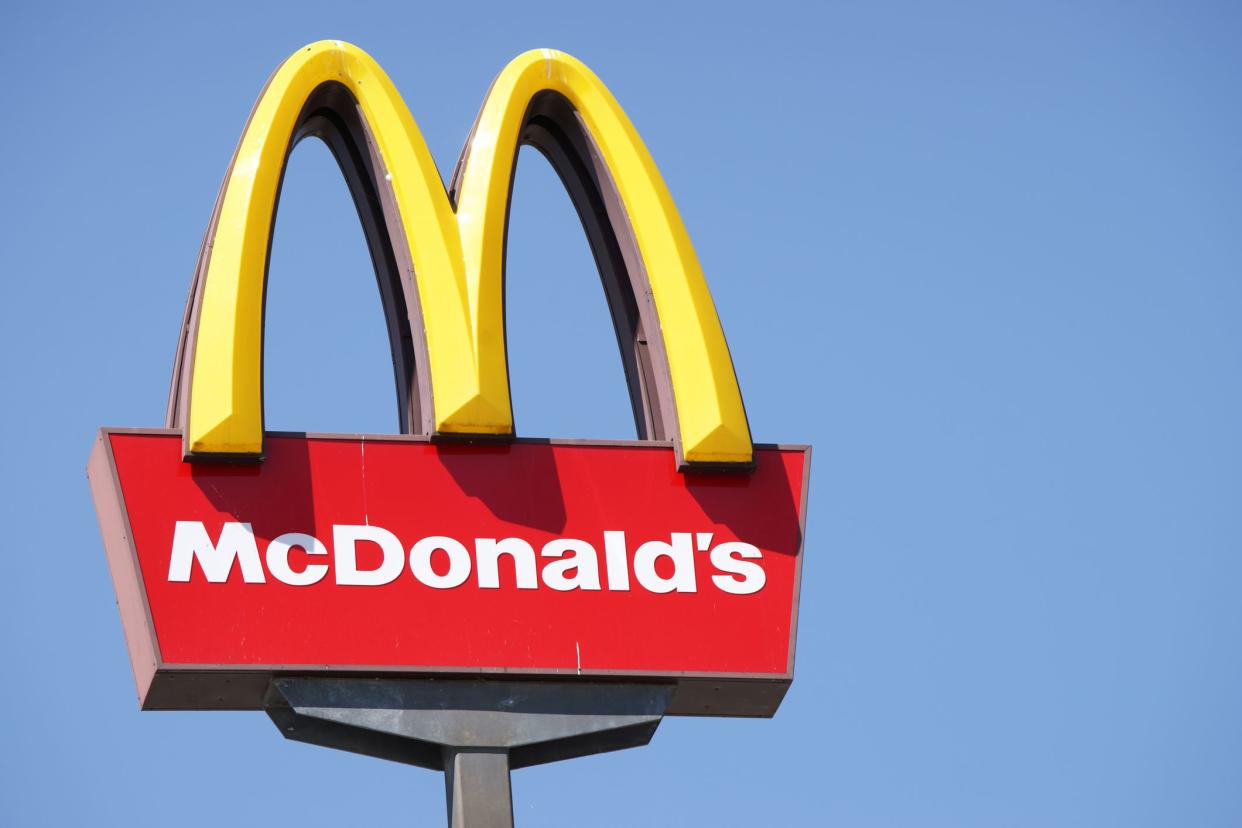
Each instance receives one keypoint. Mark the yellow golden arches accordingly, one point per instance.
(455, 252)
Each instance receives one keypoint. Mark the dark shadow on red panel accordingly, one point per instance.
(527, 493)
(759, 508)
(279, 490)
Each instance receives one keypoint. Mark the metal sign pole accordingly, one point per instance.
(474, 731)
(476, 785)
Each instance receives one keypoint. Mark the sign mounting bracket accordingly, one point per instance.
(475, 731)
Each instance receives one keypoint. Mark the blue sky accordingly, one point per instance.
(985, 257)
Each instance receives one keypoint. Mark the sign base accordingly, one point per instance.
(474, 731)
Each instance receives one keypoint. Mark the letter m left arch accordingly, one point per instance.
(439, 257)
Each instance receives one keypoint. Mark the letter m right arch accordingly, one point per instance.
(439, 257)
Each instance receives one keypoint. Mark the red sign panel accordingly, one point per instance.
(395, 555)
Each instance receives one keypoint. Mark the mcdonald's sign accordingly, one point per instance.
(454, 548)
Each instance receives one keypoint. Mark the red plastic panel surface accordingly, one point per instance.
(536, 492)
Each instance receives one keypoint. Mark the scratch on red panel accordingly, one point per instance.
(366, 514)
(223, 501)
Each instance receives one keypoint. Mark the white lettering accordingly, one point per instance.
(753, 576)
(190, 540)
(562, 564)
(278, 559)
(680, 552)
(618, 566)
(487, 552)
(583, 562)
(459, 562)
(344, 538)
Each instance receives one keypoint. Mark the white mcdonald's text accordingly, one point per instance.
(441, 562)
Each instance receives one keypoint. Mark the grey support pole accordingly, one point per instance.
(473, 730)
(476, 784)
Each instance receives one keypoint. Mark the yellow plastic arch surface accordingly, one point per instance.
(457, 255)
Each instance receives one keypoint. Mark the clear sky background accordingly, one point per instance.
(985, 257)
